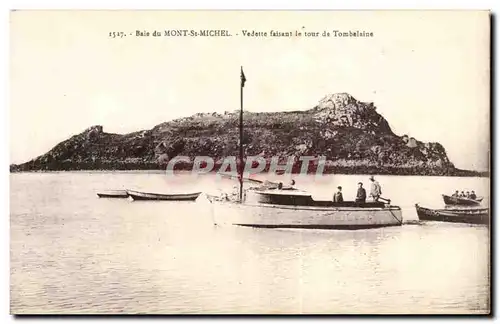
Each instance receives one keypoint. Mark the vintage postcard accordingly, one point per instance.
(250, 162)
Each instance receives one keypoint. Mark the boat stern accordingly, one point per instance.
(396, 212)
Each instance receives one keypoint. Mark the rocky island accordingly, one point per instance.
(351, 134)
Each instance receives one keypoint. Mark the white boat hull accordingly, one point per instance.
(278, 216)
(112, 194)
(138, 195)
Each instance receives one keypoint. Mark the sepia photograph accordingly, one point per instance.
(250, 162)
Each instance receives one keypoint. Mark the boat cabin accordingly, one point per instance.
(298, 198)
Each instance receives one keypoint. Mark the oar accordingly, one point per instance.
(247, 179)
(265, 183)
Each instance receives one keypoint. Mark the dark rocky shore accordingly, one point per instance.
(354, 138)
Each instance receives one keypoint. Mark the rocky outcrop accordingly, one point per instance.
(342, 110)
(351, 134)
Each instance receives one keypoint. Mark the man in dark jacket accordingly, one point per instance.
(337, 197)
(361, 195)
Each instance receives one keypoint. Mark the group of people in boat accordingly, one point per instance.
(375, 192)
(468, 195)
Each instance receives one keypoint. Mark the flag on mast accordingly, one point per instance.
(243, 79)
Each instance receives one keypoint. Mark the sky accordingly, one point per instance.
(427, 72)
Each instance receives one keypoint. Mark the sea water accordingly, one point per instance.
(72, 252)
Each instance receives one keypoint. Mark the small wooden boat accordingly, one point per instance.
(456, 215)
(113, 194)
(138, 195)
(450, 200)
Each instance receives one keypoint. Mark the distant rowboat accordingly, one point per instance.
(456, 215)
(450, 200)
(113, 194)
(138, 195)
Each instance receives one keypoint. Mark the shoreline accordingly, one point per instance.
(384, 171)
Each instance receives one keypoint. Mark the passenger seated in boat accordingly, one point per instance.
(268, 185)
(456, 194)
(467, 195)
(473, 195)
(361, 194)
(290, 186)
(337, 197)
(462, 195)
(233, 195)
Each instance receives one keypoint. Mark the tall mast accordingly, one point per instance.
(240, 169)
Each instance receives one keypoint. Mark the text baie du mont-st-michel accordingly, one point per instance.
(251, 33)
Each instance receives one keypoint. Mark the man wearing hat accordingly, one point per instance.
(375, 190)
(337, 197)
(361, 194)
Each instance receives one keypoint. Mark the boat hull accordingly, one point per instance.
(113, 194)
(449, 200)
(138, 195)
(467, 216)
(279, 216)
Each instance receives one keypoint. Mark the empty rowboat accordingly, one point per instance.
(450, 200)
(113, 194)
(138, 195)
(457, 215)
